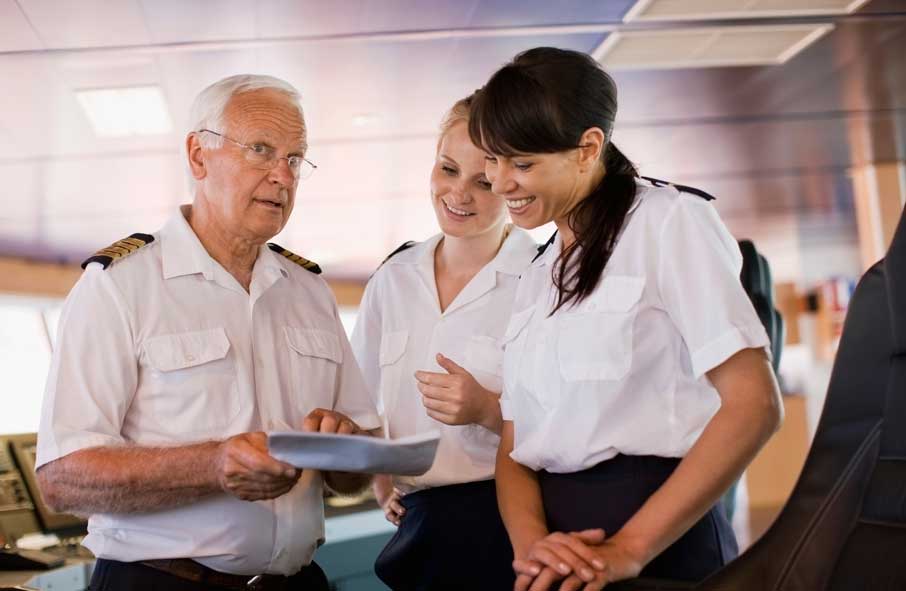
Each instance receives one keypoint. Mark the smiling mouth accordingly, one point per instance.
(519, 203)
(459, 212)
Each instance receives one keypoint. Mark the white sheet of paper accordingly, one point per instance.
(408, 456)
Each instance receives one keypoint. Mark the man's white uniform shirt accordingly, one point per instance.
(400, 330)
(166, 348)
(623, 372)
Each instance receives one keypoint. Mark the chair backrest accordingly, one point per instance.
(844, 526)
(756, 280)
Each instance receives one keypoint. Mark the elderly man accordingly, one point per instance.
(176, 350)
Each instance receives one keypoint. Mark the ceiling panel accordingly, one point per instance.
(16, 33)
(707, 47)
(178, 21)
(41, 113)
(716, 9)
(554, 12)
(409, 85)
(290, 18)
(87, 23)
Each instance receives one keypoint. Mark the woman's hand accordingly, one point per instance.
(388, 497)
(559, 555)
(593, 561)
(456, 397)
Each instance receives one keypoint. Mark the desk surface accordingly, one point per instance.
(74, 575)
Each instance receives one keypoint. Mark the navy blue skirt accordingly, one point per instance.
(607, 495)
(451, 537)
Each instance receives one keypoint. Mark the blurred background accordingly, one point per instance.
(791, 112)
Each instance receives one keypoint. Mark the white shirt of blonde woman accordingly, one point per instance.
(400, 330)
(166, 348)
(623, 372)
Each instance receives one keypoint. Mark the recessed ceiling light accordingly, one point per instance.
(707, 47)
(656, 10)
(122, 112)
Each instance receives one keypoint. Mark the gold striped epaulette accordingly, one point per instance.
(119, 249)
(302, 262)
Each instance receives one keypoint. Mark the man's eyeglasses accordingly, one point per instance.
(264, 157)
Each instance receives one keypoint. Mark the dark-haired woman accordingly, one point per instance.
(637, 384)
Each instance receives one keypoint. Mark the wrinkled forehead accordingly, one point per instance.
(266, 115)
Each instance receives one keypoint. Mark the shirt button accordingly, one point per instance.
(190, 358)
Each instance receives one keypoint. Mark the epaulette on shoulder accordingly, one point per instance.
(302, 262)
(544, 246)
(119, 250)
(681, 188)
(404, 246)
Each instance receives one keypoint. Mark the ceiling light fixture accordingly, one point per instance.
(124, 112)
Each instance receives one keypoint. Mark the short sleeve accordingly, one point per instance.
(505, 410)
(366, 342)
(698, 282)
(93, 372)
(353, 397)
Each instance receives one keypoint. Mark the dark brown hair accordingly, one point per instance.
(542, 102)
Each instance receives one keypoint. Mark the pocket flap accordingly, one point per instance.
(187, 349)
(617, 293)
(393, 345)
(518, 321)
(313, 342)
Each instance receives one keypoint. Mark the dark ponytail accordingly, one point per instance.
(542, 102)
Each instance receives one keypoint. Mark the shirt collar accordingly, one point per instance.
(551, 252)
(181, 251)
(516, 253)
(512, 258)
(183, 254)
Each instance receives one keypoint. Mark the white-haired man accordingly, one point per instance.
(177, 350)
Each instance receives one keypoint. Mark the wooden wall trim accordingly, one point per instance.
(29, 278)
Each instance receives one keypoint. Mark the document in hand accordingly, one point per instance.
(408, 456)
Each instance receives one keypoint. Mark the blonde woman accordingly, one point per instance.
(428, 342)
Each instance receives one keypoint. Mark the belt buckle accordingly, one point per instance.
(256, 583)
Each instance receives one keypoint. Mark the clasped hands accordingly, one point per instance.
(584, 560)
(246, 470)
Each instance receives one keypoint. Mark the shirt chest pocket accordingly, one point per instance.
(191, 381)
(514, 344)
(391, 359)
(595, 338)
(484, 358)
(315, 358)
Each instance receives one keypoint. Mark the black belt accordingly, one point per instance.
(196, 572)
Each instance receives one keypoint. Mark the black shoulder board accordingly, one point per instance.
(302, 262)
(119, 249)
(404, 246)
(683, 188)
(544, 246)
